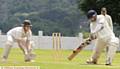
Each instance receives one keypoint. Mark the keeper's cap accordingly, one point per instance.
(27, 22)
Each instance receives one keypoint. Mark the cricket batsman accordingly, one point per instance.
(105, 38)
(21, 35)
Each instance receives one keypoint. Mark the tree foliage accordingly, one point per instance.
(112, 8)
(111, 5)
(46, 15)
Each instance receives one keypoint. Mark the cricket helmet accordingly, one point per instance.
(91, 13)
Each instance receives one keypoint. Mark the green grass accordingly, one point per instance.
(46, 60)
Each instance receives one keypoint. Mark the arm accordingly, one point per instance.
(110, 23)
(25, 41)
(28, 40)
(98, 28)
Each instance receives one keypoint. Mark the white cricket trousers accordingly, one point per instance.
(9, 44)
(112, 45)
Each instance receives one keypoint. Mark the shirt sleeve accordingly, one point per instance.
(29, 36)
(99, 26)
(110, 23)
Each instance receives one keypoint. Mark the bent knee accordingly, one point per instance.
(114, 42)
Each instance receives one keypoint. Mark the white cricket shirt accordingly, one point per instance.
(18, 32)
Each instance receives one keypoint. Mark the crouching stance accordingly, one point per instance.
(21, 35)
(105, 38)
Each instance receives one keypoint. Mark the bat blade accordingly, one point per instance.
(76, 51)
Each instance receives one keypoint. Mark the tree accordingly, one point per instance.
(46, 15)
(111, 5)
(112, 8)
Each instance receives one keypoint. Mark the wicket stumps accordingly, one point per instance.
(56, 37)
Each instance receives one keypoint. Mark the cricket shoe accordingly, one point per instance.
(4, 60)
(29, 60)
(91, 61)
(32, 60)
(108, 64)
(32, 56)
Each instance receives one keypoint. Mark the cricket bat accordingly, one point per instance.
(77, 50)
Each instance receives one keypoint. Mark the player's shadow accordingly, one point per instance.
(91, 64)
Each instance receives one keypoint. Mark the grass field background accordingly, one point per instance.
(46, 60)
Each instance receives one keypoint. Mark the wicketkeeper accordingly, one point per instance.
(107, 17)
(105, 38)
(21, 35)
